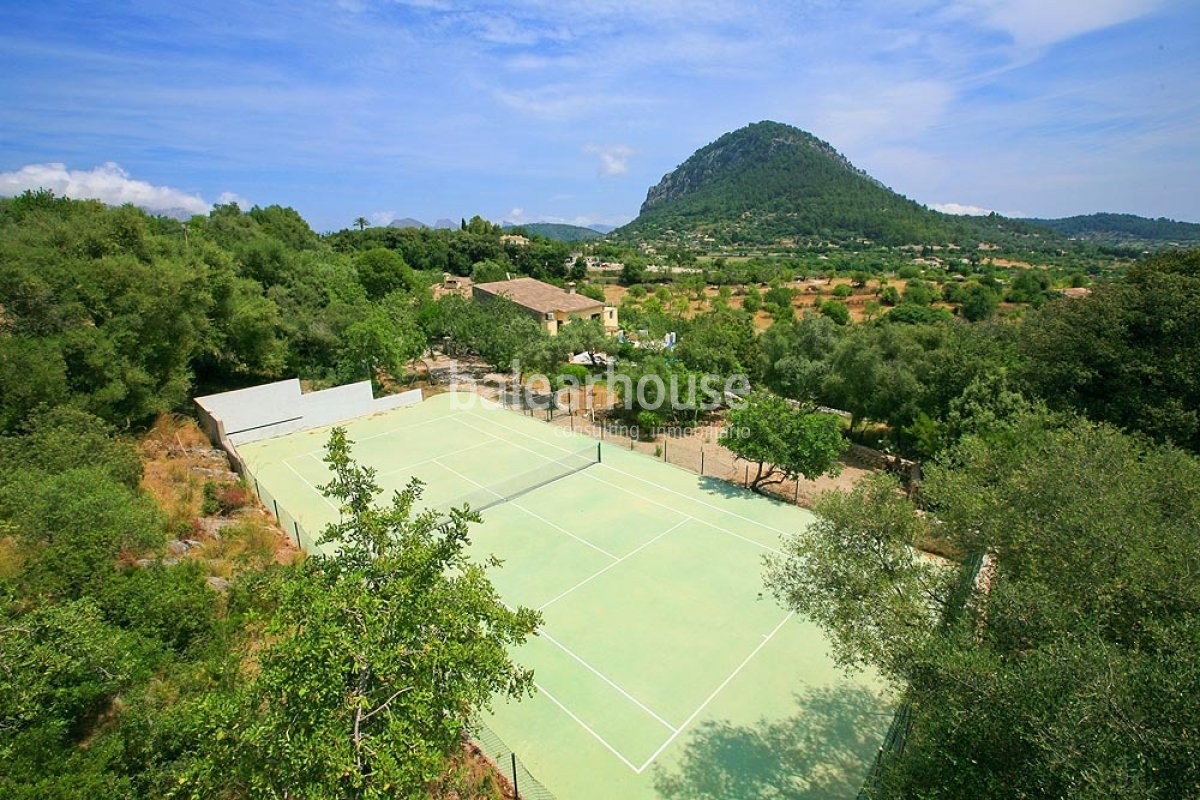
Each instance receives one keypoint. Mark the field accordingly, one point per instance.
(661, 668)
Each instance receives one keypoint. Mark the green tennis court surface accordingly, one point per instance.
(662, 670)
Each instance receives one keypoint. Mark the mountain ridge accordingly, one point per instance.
(773, 183)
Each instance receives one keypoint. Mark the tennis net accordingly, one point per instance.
(514, 486)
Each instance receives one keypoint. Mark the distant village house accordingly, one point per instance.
(549, 305)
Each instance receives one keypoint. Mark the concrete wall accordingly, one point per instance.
(275, 409)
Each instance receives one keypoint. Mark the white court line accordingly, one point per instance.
(584, 725)
(429, 460)
(603, 570)
(712, 525)
(465, 478)
(542, 633)
(559, 528)
(388, 432)
(318, 492)
(527, 511)
(313, 455)
(587, 473)
(663, 488)
(715, 692)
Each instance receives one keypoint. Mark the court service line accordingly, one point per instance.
(527, 511)
(712, 525)
(542, 633)
(435, 458)
(579, 539)
(388, 432)
(465, 478)
(652, 501)
(642, 480)
(584, 725)
(715, 692)
(318, 492)
(414, 465)
(603, 570)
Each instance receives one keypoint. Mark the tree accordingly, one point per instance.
(856, 573)
(838, 312)
(633, 270)
(382, 271)
(1129, 353)
(382, 342)
(719, 342)
(361, 222)
(785, 442)
(1071, 668)
(978, 302)
(378, 655)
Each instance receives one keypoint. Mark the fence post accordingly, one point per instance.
(701, 460)
(664, 448)
(516, 789)
(598, 459)
(747, 481)
(296, 528)
(796, 499)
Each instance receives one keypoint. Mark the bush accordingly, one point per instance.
(232, 497)
(890, 296)
(836, 311)
(842, 290)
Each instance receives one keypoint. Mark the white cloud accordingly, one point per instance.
(614, 159)
(108, 183)
(516, 214)
(959, 208)
(229, 197)
(1037, 23)
(972, 211)
(382, 217)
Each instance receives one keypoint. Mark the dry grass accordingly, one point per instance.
(471, 776)
(172, 451)
(252, 543)
(10, 557)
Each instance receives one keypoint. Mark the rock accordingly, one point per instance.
(145, 563)
(177, 548)
(216, 474)
(218, 583)
(212, 526)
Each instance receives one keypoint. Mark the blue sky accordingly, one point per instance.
(569, 110)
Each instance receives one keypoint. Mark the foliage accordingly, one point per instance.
(718, 342)
(379, 655)
(977, 302)
(838, 312)
(1127, 354)
(1071, 668)
(856, 573)
(658, 389)
(785, 442)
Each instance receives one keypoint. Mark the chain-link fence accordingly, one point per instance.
(508, 763)
(696, 448)
(290, 525)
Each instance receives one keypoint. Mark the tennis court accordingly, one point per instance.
(658, 650)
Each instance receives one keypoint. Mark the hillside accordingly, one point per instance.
(556, 231)
(770, 182)
(1125, 229)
